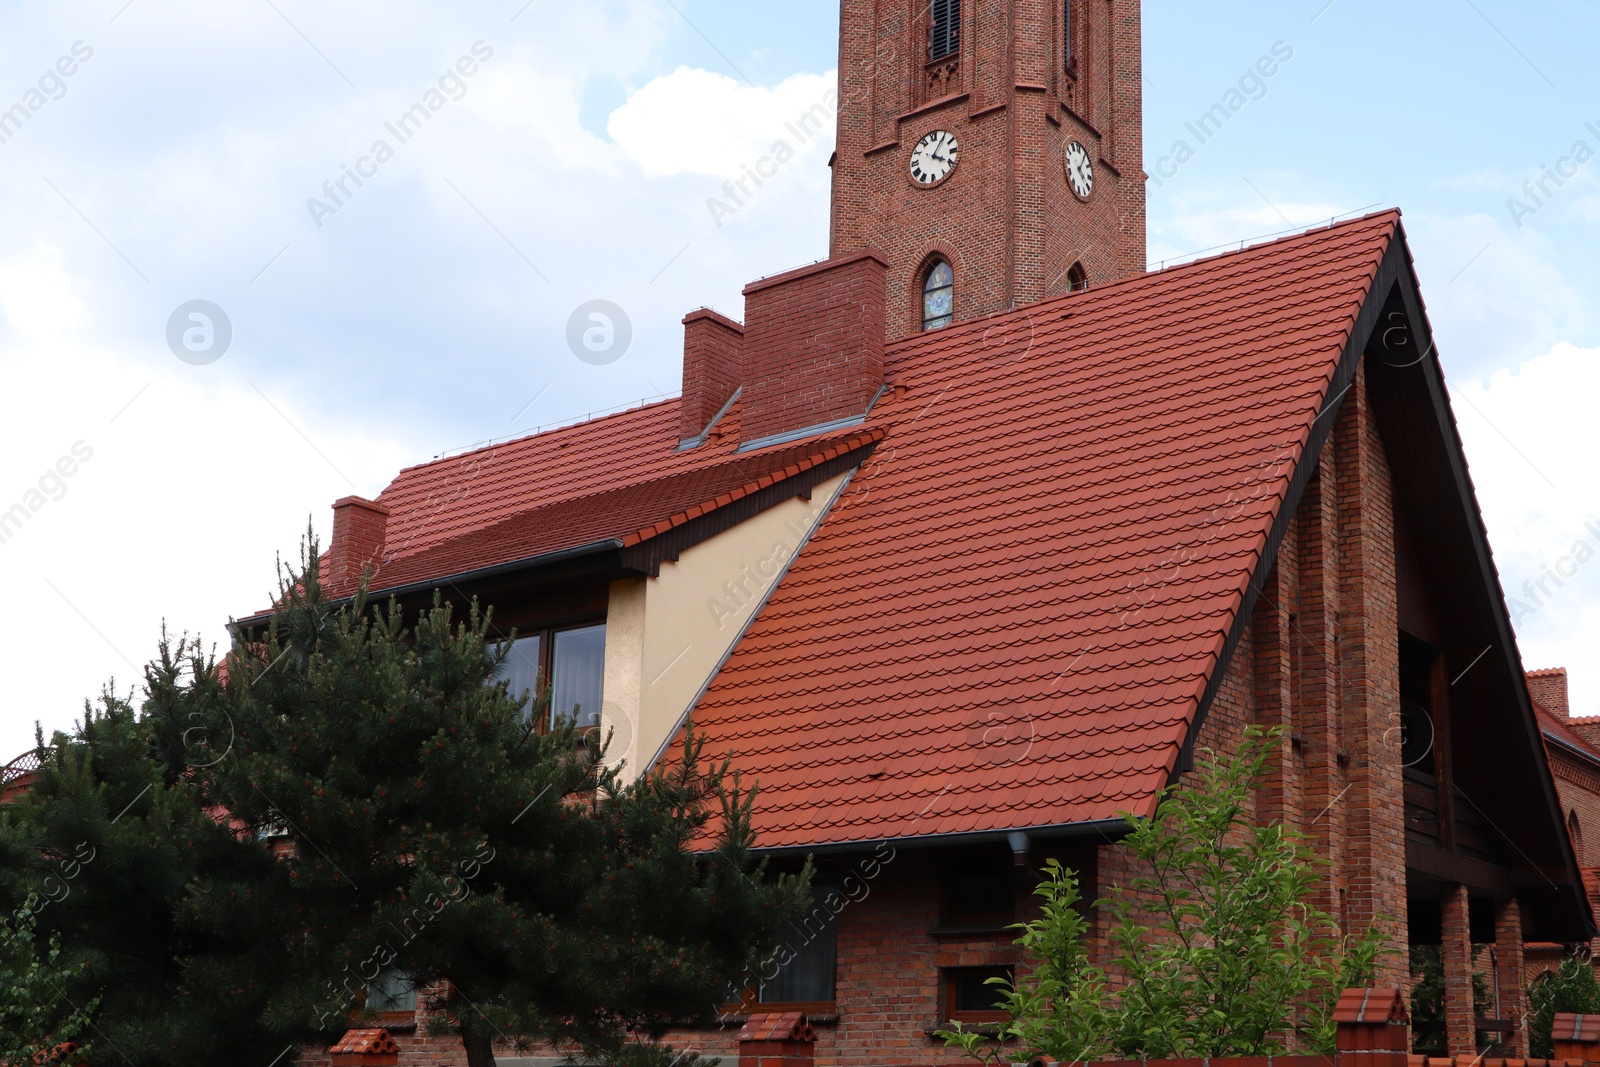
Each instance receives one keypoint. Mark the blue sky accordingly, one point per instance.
(430, 310)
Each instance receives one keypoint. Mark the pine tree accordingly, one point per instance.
(345, 797)
(144, 889)
(438, 832)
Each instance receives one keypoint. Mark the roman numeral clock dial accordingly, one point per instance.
(1080, 171)
(934, 158)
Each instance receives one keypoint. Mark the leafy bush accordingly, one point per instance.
(1216, 950)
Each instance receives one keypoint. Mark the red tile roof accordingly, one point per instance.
(1555, 728)
(1009, 618)
(627, 513)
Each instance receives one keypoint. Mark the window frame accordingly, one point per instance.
(546, 664)
(392, 1015)
(750, 1000)
(923, 291)
(950, 982)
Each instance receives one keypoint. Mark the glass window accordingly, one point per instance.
(392, 991)
(939, 297)
(808, 978)
(944, 31)
(577, 675)
(969, 997)
(521, 668)
(1077, 278)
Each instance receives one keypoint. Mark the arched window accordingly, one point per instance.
(1077, 278)
(938, 296)
(944, 29)
(1576, 832)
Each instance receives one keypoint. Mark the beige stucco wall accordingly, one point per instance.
(666, 636)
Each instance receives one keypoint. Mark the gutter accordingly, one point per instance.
(1110, 830)
(594, 548)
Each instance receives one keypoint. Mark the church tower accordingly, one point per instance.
(990, 149)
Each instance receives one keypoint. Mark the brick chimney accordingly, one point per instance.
(1549, 690)
(713, 370)
(813, 346)
(358, 532)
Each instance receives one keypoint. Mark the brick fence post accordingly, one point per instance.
(1371, 1028)
(777, 1039)
(1576, 1037)
(365, 1048)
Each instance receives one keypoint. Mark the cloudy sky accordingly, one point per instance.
(426, 306)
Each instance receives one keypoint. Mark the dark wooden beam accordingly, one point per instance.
(1454, 867)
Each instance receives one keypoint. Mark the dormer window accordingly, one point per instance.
(944, 31)
(938, 296)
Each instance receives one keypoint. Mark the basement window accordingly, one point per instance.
(572, 659)
(969, 996)
(938, 297)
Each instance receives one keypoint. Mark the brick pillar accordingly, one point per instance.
(1315, 713)
(1460, 1033)
(1375, 849)
(1274, 681)
(1509, 972)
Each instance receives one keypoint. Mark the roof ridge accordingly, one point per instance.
(1146, 277)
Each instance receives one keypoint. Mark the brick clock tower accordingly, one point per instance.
(990, 149)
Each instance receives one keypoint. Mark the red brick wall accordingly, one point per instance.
(814, 342)
(713, 369)
(1006, 219)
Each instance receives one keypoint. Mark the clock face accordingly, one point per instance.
(934, 158)
(1080, 171)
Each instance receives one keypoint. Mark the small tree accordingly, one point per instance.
(38, 1021)
(1570, 987)
(1217, 949)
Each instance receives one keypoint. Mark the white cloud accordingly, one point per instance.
(1529, 440)
(183, 485)
(697, 122)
